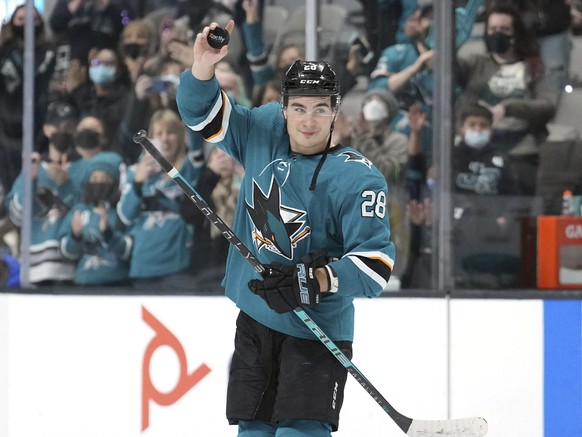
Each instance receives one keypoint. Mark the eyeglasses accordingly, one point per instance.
(102, 62)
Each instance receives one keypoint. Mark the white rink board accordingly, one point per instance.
(72, 365)
(498, 365)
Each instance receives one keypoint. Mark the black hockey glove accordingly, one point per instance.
(285, 288)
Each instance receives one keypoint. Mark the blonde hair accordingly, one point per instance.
(171, 121)
(170, 118)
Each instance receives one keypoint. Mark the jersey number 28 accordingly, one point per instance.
(373, 204)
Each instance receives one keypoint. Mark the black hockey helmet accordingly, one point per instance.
(310, 78)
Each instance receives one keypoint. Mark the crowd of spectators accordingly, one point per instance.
(105, 214)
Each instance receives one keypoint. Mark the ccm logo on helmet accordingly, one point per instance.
(308, 81)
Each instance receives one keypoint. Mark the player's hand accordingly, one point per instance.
(205, 57)
(285, 288)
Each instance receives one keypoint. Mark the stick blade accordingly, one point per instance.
(468, 427)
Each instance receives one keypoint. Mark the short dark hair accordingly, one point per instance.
(476, 110)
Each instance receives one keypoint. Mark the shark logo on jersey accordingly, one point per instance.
(278, 228)
(355, 157)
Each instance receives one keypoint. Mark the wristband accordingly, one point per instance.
(332, 279)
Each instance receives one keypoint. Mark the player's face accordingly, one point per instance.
(309, 122)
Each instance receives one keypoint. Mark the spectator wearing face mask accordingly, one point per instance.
(374, 136)
(90, 143)
(12, 88)
(56, 178)
(509, 80)
(138, 44)
(151, 206)
(479, 167)
(550, 21)
(93, 236)
(105, 93)
(486, 206)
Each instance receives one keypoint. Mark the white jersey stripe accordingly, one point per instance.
(372, 255)
(219, 136)
(368, 271)
(222, 103)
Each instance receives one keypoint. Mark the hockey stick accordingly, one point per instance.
(468, 427)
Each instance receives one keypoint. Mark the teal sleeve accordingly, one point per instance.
(464, 21)
(261, 71)
(195, 98)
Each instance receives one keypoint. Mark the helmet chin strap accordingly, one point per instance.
(322, 159)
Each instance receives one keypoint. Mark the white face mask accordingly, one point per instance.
(477, 139)
(374, 110)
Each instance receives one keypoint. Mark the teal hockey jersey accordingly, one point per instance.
(101, 257)
(51, 202)
(161, 237)
(280, 219)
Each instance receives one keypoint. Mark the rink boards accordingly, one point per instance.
(134, 366)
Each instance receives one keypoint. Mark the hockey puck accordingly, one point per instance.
(218, 38)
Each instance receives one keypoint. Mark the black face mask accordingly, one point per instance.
(95, 193)
(18, 31)
(133, 50)
(62, 141)
(87, 139)
(498, 42)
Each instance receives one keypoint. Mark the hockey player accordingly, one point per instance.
(315, 214)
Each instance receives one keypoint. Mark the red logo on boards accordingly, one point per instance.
(185, 382)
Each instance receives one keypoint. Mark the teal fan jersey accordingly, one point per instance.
(280, 219)
(48, 213)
